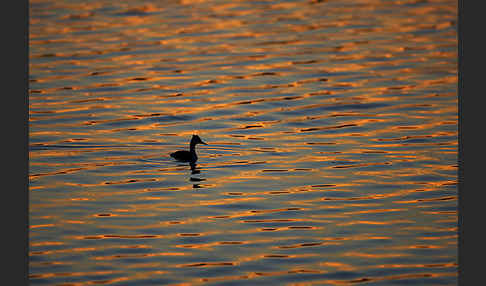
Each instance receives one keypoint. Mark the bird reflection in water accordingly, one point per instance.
(193, 172)
(193, 166)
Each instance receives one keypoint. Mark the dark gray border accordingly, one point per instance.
(15, 218)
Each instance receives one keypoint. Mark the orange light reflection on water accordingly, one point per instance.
(331, 129)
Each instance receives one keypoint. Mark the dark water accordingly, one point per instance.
(332, 131)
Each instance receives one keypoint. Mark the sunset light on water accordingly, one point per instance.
(331, 131)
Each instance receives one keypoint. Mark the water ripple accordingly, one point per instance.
(331, 131)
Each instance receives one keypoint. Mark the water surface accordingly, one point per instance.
(332, 131)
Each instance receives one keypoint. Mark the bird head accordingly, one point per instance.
(197, 140)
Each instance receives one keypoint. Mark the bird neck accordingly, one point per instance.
(192, 147)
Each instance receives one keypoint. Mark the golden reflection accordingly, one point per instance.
(208, 264)
(74, 221)
(71, 274)
(437, 265)
(46, 243)
(374, 211)
(110, 236)
(125, 256)
(447, 198)
(41, 225)
(48, 252)
(230, 201)
(317, 103)
(368, 222)
(338, 265)
(378, 279)
(376, 255)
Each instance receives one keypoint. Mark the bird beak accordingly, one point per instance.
(204, 143)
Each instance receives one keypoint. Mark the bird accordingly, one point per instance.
(188, 156)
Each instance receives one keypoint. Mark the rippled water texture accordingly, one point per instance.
(332, 132)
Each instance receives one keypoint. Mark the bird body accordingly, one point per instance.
(188, 156)
(185, 156)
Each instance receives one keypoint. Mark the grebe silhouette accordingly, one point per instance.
(188, 156)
